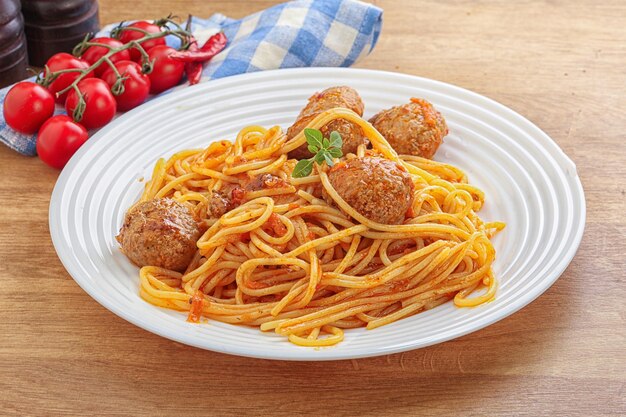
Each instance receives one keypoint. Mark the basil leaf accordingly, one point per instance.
(335, 152)
(313, 137)
(326, 143)
(335, 139)
(329, 159)
(303, 168)
(313, 149)
(319, 157)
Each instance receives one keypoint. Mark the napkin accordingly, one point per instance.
(301, 33)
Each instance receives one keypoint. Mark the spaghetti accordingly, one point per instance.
(286, 260)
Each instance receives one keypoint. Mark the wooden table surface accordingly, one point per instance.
(560, 63)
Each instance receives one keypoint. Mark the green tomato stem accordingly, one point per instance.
(79, 110)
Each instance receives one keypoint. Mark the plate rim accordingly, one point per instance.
(73, 268)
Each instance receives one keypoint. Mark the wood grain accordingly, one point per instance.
(559, 63)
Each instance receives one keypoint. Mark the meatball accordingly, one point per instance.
(264, 181)
(161, 232)
(219, 204)
(415, 128)
(377, 188)
(351, 134)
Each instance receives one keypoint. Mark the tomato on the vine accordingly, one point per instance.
(94, 53)
(64, 61)
(167, 72)
(59, 138)
(27, 106)
(136, 84)
(100, 106)
(126, 35)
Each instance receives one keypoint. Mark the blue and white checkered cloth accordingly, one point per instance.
(301, 33)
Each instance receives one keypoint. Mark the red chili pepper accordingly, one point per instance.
(212, 47)
(215, 43)
(193, 70)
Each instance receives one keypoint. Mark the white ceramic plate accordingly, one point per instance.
(529, 183)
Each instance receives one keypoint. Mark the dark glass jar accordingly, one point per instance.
(57, 26)
(13, 58)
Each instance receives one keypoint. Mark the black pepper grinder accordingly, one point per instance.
(13, 58)
(54, 26)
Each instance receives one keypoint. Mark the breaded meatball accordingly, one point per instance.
(377, 188)
(341, 96)
(415, 128)
(160, 232)
(351, 134)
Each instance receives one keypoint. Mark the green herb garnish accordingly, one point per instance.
(323, 150)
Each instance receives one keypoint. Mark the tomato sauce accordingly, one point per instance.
(275, 225)
(197, 304)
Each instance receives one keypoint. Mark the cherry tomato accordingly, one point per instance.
(127, 35)
(136, 85)
(62, 61)
(59, 138)
(100, 106)
(26, 106)
(94, 53)
(167, 72)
